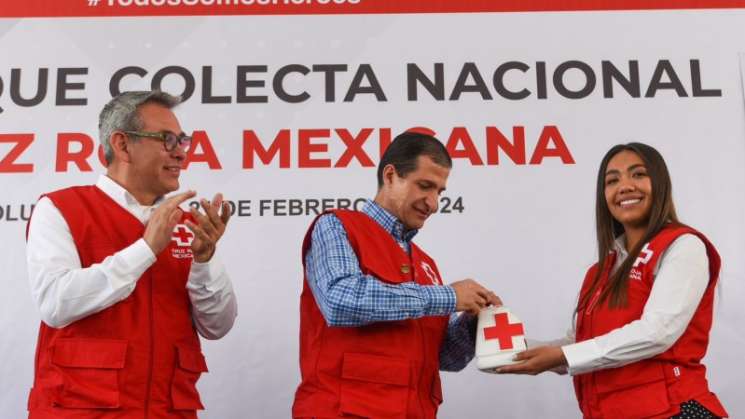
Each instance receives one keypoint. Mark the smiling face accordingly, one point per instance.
(628, 190)
(153, 171)
(415, 196)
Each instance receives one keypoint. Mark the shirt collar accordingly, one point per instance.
(619, 246)
(120, 195)
(388, 221)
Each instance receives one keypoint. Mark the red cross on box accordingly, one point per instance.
(503, 330)
(182, 235)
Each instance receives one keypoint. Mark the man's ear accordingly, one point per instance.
(120, 147)
(389, 174)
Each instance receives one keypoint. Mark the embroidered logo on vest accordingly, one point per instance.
(181, 239)
(431, 274)
(645, 255)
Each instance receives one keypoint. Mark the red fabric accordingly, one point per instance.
(651, 388)
(138, 358)
(90, 8)
(382, 370)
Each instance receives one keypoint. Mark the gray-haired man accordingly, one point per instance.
(124, 279)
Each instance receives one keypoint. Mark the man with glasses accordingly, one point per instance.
(124, 279)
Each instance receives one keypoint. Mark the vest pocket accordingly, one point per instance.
(190, 366)
(374, 386)
(89, 372)
(636, 390)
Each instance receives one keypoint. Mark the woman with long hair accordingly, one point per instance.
(644, 312)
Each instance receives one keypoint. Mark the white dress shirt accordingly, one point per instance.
(66, 292)
(681, 278)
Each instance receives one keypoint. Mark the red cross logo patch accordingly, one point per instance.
(182, 236)
(431, 274)
(645, 255)
(181, 242)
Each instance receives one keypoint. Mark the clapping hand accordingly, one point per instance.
(209, 227)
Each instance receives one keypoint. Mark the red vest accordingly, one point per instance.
(139, 358)
(383, 370)
(655, 387)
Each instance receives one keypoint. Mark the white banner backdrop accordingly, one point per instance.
(521, 222)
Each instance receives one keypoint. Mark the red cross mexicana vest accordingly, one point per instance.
(139, 358)
(655, 387)
(382, 370)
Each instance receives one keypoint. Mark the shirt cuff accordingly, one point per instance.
(202, 274)
(440, 300)
(582, 356)
(128, 266)
(139, 252)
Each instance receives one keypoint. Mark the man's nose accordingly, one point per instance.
(179, 154)
(433, 200)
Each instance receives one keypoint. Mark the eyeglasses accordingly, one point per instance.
(170, 140)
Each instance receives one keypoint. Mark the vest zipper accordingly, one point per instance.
(418, 386)
(152, 344)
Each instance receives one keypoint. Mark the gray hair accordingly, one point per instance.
(120, 114)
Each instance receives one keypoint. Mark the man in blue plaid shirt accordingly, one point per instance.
(372, 342)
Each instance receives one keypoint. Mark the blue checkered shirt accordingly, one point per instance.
(348, 298)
